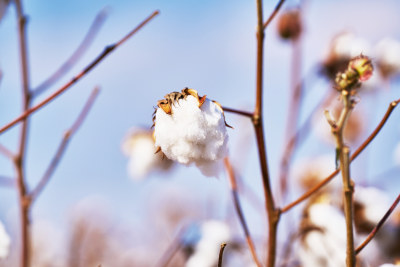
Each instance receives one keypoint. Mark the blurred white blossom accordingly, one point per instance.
(213, 234)
(139, 147)
(324, 237)
(388, 57)
(5, 242)
(190, 129)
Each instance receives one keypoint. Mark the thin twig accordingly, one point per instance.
(239, 112)
(78, 53)
(6, 152)
(307, 194)
(274, 13)
(378, 226)
(63, 145)
(221, 253)
(238, 208)
(94, 63)
(272, 212)
(172, 249)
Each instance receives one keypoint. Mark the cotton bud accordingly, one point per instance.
(289, 25)
(4, 242)
(388, 57)
(343, 47)
(191, 129)
(139, 147)
(359, 69)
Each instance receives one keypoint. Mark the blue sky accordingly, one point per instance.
(206, 45)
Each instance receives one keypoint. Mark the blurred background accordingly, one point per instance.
(206, 45)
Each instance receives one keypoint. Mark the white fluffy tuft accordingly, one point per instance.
(4, 242)
(192, 134)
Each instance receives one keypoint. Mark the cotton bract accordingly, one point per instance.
(191, 130)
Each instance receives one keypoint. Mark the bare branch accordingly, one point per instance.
(378, 226)
(239, 112)
(307, 194)
(79, 52)
(273, 14)
(63, 146)
(6, 152)
(236, 201)
(94, 63)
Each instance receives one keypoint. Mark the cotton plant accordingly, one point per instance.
(191, 129)
(138, 145)
(212, 234)
(5, 242)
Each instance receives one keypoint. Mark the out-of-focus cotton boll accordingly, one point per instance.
(139, 147)
(389, 265)
(343, 47)
(213, 234)
(309, 172)
(370, 205)
(324, 237)
(5, 242)
(191, 130)
(388, 57)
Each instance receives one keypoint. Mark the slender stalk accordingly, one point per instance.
(238, 208)
(6, 152)
(78, 53)
(63, 145)
(239, 112)
(221, 253)
(273, 14)
(19, 160)
(344, 157)
(272, 212)
(378, 226)
(76, 78)
(367, 141)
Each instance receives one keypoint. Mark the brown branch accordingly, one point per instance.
(238, 208)
(239, 112)
(63, 146)
(274, 13)
(272, 212)
(78, 53)
(221, 252)
(94, 63)
(307, 194)
(19, 160)
(378, 226)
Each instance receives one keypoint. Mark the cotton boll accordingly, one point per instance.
(388, 57)
(213, 234)
(324, 237)
(5, 242)
(139, 146)
(193, 132)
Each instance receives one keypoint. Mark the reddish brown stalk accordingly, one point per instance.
(307, 194)
(272, 212)
(94, 63)
(378, 226)
(221, 253)
(274, 13)
(239, 112)
(78, 53)
(63, 145)
(238, 208)
(19, 159)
